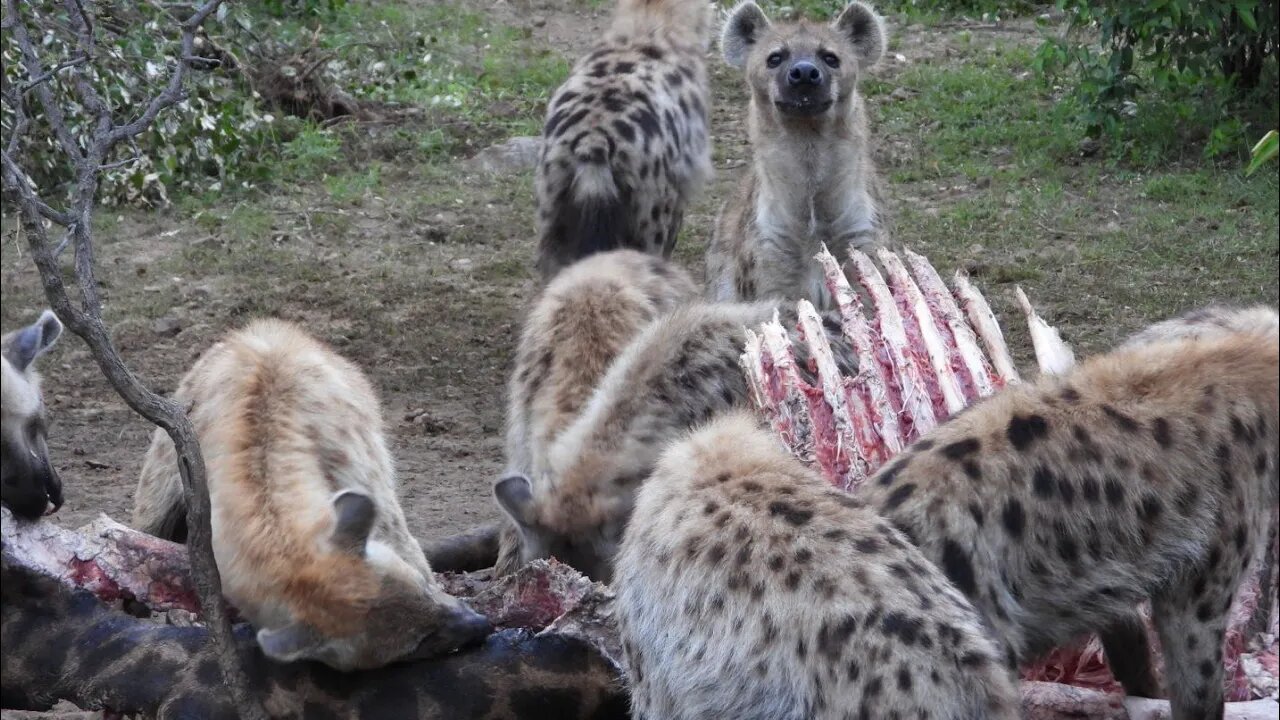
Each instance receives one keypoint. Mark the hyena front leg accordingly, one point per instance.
(1191, 627)
(1129, 655)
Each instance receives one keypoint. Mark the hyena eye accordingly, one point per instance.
(774, 60)
(831, 60)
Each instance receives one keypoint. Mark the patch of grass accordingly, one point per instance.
(348, 187)
(248, 221)
(993, 180)
(311, 151)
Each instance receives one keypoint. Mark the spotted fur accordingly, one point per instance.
(581, 322)
(29, 484)
(681, 371)
(1211, 320)
(812, 180)
(625, 144)
(308, 533)
(749, 588)
(1146, 474)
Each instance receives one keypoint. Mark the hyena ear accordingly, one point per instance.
(22, 347)
(742, 29)
(295, 641)
(514, 494)
(354, 514)
(865, 30)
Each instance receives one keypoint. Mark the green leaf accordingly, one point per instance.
(1265, 150)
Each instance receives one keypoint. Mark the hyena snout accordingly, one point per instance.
(460, 627)
(803, 87)
(30, 484)
(804, 73)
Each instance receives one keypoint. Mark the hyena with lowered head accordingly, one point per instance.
(748, 588)
(625, 144)
(308, 533)
(30, 484)
(581, 322)
(681, 371)
(812, 180)
(1145, 474)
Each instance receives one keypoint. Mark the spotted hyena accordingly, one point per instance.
(30, 484)
(625, 143)
(812, 180)
(681, 371)
(308, 533)
(749, 588)
(581, 322)
(1057, 507)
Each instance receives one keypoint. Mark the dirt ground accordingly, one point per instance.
(423, 283)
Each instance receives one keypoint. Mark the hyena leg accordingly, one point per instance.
(1129, 655)
(508, 550)
(1191, 627)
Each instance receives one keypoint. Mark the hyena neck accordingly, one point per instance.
(813, 183)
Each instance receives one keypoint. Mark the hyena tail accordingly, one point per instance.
(160, 507)
(597, 218)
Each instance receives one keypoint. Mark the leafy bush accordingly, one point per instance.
(1209, 55)
(204, 143)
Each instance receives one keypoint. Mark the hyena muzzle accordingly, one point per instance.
(30, 484)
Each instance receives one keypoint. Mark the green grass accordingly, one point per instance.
(994, 181)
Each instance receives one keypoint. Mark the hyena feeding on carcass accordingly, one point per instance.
(1146, 474)
(749, 588)
(581, 322)
(308, 533)
(812, 180)
(682, 370)
(1055, 508)
(30, 484)
(625, 144)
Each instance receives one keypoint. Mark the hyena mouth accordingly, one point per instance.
(805, 107)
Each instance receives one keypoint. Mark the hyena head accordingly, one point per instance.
(583, 532)
(803, 69)
(30, 484)
(401, 615)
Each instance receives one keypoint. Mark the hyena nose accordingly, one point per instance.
(804, 73)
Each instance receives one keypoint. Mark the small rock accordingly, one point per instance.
(901, 93)
(461, 264)
(538, 21)
(1089, 147)
(167, 326)
(96, 465)
(511, 155)
(410, 415)
(983, 182)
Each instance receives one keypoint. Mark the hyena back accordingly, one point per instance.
(681, 371)
(1207, 321)
(308, 533)
(581, 322)
(749, 588)
(812, 180)
(1058, 507)
(29, 484)
(625, 143)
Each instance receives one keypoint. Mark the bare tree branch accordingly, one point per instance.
(88, 154)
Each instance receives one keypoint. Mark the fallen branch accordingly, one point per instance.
(88, 153)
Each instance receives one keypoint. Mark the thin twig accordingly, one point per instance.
(85, 320)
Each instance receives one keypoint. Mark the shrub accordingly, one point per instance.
(205, 143)
(1210, 53)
